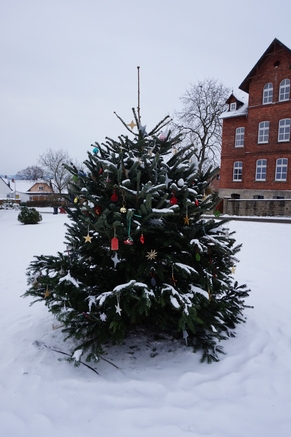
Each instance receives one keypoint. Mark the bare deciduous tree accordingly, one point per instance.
(199, 120)
(53, 162)
(31, 173)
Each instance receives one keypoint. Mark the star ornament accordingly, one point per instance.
(131, 125)
(88, 238)
(47, 293)
(152, 255)
(186, 220)
(118, 309)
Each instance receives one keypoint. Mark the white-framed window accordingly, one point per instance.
(232, 106)
(237, 171)
(263, 132)
(284, 130)
(239, 137)
(281, 169)
(261, 170)
(284, 90)
(268, 93)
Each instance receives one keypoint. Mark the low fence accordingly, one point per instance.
(257, 207)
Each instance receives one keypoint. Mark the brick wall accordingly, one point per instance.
(275, 67)
(257, 207)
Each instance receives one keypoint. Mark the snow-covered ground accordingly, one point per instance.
(158, 389)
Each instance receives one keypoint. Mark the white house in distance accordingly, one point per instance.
(24, 190)
(6, 191)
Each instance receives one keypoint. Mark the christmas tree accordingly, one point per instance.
(141, 254)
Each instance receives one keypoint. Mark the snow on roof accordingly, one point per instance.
(23, 186)
(242, 110)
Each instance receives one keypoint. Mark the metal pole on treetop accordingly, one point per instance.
(138, 94)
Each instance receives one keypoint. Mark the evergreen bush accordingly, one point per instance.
(29, 216)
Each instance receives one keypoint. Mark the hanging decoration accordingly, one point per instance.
(115, 260)
(87, 237)
(152, 255)
(185, 336)
(114, 197)
(103, 317)
(117, 307)
(186, 218)
(131, 124)
(163, 136)
(123, 209)
(173, 199)
(97, 210)
(141, 239)
(152, 275)
(129, 240)
(114, 241)
(173, 278)
(95, 150)
(47, 292)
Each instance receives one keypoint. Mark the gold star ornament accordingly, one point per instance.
(131, 125)
(88, 238)
(152, 255)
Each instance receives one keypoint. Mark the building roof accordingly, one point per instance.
(275, 47)
(241, 110)
(25, 186)
(5, 189)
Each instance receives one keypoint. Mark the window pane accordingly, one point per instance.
(239, 137)
(261, 170)
(284, 130)
(237, 171)
(263, 134)
(281, 169)
(268, 93)
(284, 92)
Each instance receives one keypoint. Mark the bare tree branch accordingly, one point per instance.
(32, 173)
(52, 162)
(199, 120)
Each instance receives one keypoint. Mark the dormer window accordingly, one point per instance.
(232, 106)
(268, 93)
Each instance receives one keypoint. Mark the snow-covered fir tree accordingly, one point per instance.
(140, 251)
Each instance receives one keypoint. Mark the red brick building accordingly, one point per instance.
(256, 146)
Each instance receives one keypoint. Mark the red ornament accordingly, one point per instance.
(196, 202)
(97, 210)
(128, 241)
(114, 243)
(173, 200)
(141, 239)
(114, 197)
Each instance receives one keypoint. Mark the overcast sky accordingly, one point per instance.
(67, 65)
